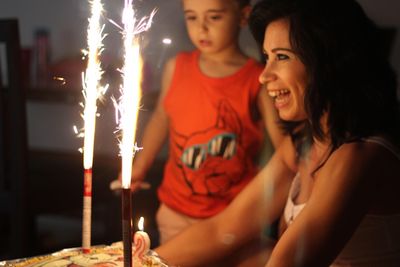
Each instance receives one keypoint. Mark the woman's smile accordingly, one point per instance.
(281, 97)
(284, 75)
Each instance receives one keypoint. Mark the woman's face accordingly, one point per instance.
(284, 75)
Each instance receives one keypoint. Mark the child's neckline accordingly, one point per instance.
(228, 76)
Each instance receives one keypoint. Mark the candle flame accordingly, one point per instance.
(141, 224)
(129, 103)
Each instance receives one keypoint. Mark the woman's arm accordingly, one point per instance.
(256, 207)
(344, 189)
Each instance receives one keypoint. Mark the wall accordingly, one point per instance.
(50, 124)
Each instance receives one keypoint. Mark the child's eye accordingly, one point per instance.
(215, 17)
(190, 18)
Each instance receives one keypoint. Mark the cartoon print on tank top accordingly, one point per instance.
(212, 159)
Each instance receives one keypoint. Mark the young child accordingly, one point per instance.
(210, 106)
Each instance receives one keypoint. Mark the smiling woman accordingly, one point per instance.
(284, 74)
(333, 181)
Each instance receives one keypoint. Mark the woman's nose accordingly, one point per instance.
(267, 75)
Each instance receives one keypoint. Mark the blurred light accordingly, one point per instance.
(167, 41)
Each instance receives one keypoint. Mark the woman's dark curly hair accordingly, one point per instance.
(347, 67)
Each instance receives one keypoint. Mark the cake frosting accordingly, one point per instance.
(99, 256)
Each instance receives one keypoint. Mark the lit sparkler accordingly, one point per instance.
(92, 90)
(127, 113)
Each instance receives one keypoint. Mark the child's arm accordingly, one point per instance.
(155, 132)
(270, 117)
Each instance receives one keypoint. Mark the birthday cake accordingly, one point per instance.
(99, 256)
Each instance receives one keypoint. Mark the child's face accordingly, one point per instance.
(213, 25)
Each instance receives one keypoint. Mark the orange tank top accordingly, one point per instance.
(213, 140)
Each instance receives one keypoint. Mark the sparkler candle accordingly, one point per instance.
(141, 240)
(91, 92)
(127, 226)
(128, 109)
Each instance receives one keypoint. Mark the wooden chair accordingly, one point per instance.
(15, 223)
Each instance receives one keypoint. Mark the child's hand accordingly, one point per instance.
(116, 185)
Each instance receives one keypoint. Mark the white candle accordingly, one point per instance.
(141, 240)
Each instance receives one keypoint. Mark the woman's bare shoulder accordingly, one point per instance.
(361, 162)
(365, 154)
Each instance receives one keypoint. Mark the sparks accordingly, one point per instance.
(128, 105)
(92, 90)
(60, 79)
(127, 111)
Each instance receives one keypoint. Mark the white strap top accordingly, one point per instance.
(292, 210)
(376, 242)
(383, 142)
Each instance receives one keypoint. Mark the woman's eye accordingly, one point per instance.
(281, 57)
